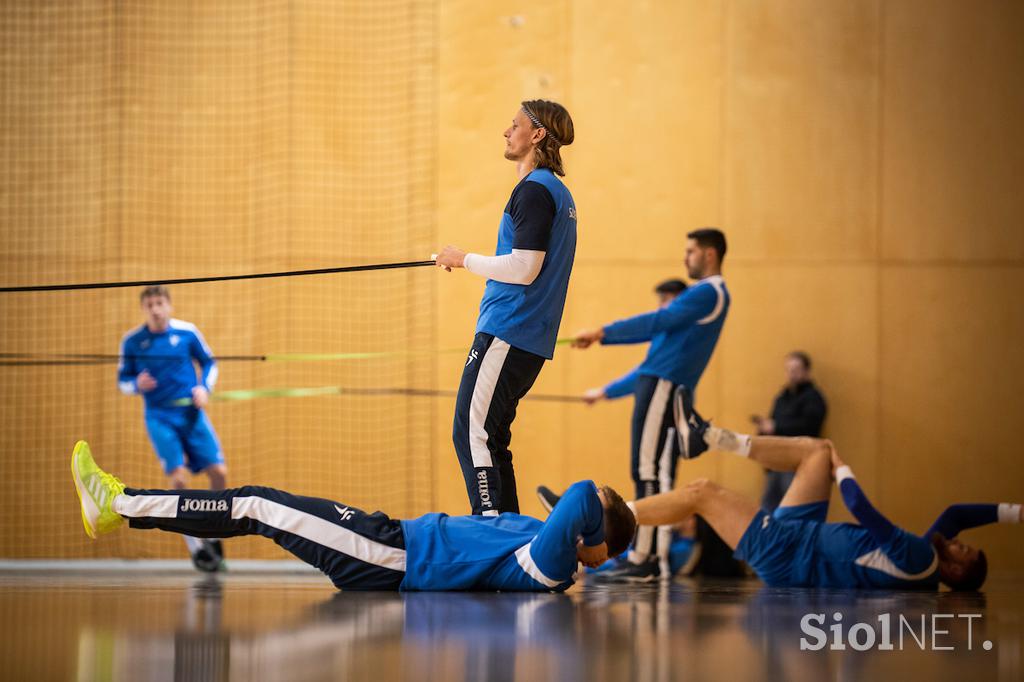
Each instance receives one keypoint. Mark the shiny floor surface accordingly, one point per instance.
(151, 626)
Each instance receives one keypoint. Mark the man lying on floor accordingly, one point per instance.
(794, 546)
(360, 551)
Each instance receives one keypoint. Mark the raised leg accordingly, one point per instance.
(810, 458)
(354, 549)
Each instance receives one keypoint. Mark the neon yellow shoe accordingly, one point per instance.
(96, 490)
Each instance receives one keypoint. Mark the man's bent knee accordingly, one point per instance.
(218, 475)
(178, 478)
(822, 448)
(813, 447)
(701, 492)
(701, 487)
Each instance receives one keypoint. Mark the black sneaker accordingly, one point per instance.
(646, 572)
(689, 425)
(548, 498)
(206, 559)
(218, 548)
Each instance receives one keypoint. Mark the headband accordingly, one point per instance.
(537, 124)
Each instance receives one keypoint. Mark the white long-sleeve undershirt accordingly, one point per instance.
(519, 267)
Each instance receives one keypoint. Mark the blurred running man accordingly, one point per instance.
(682, 335)
(360, 551)
(521, 310)
(794, 546)
(157, 361)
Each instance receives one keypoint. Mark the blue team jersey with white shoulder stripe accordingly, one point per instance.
(794, 547)
(683, 335)
(847, 555)
(539, 216)
(168, 356)
(508, 552)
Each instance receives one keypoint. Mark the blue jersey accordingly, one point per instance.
(874, 553)
(848, 555)
(683, 335)
(540, 216)
(623, 386)
(507, 552)
(168, 356)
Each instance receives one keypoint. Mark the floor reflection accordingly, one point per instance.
(271, 628)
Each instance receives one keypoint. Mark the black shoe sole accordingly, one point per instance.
(679, 410)
(616, 577)
(548, 498)
(682, 409)
(210, 559)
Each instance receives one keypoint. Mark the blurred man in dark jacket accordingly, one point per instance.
(799, 410)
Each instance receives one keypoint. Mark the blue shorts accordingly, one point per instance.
(183, 436)
(772, 544)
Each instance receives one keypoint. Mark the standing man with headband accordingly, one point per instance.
(521, 310)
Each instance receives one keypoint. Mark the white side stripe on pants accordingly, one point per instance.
(140, 506)
(652, 429)
(648, 452)
(665, 481)
(483, 391)
(315, 529)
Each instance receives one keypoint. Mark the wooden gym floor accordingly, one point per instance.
(146, 625)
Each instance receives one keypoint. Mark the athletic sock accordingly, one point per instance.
(729, 441)
(193, 544)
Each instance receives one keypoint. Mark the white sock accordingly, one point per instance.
(1008, 513)
(729, 441)
(193, 544)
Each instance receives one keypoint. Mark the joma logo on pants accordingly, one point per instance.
(203, 505)
(483, 488)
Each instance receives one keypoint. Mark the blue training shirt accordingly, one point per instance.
(876, 553)
(540, 216)
(168, 356)
(683, 335)
(507, 552)
(623, 386)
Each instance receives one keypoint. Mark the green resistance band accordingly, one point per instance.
(243, 395)
(253, 394)
(55, 359)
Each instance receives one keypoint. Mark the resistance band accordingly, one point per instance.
(219, 278)
(64, 359)
(237, 396)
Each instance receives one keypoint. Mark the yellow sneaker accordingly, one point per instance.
(96, 491)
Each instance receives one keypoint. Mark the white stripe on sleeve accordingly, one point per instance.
(878, 561)
(211, 378)
(716, 282)
(527, 563)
